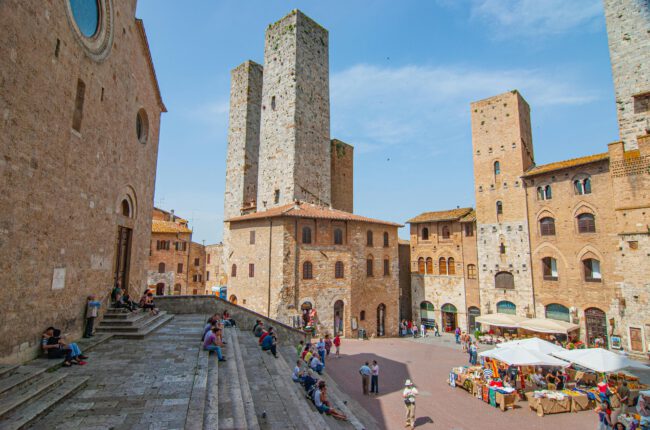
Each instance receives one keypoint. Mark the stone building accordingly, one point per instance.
(196, 278)
(215, 277)
(444, 281)
(405, 301)
(291, 242)
(80, 109)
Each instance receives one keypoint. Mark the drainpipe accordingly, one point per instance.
(268, 309)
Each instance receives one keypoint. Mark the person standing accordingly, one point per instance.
(92, 306)
(623, 395)
(365, 373)
(337, 344)
(423, 330)
(409, 394)
(320, 347)
(328, 345)
(374, 377)
(473, 353)
(436, 330)
(457, 333)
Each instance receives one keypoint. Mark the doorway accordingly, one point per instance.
(636, 341)
(338, 317)
(427, 315)
(449, 322)
(306, 308)
(381, 320)
(160, 289)
(472, 313)
(123, 258)
(596, 325)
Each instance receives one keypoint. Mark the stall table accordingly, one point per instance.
(544, 405)
(581, 402)
(506, 401)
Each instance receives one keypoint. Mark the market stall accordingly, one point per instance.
(548, 402)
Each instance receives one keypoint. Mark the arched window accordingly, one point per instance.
(369, 266)
(427, 314)
(592, 270)
(471, 271)
(306, 235)
(445, 232)
(548, 195)
(429, 266)
(177, 289)
(386, 267)
(307, 270)
(425, 233)
(586, 223)
(126, 208)
(369, 238)
(339, 270)
(451, 266)
(506, 307)
(558, 312)
(499, 207)
(442, 266)
(338, 236)
(586, 186)
(142, 126)
(547, 226)
(161, 268)
(549, 266)
(540, 193)
(582, 186)
(385, 239)
(497, 168)
(421, 266)
(233, 271)
(504, 281)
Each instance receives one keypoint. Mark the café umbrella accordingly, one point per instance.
(532, 344)
(599, 360)
(516, 356)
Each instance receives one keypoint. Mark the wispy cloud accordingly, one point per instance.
(212, 116)
(514, 18)
(382, 107)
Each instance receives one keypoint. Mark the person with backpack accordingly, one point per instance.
(409, 394)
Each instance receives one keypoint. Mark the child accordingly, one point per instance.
(92, 306)
(337, 344)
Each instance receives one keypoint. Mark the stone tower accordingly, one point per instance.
(294, 149)
(342, 172)
(628, 31)
(243, 139)
(503, 151)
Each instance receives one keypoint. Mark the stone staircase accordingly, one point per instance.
(123, 324)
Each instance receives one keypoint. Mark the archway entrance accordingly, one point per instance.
(596, 324)
(426, 314)
(233, 299)
(338, 317)
(160, 289)
(381, 320)
(472, 313)
(449, 322)
(306, 309)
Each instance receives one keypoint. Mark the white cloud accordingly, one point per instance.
(509, 18)
(379, 107)
(213, 116)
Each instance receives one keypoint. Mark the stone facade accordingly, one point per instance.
(628, 30)
(405, 301)
(196, 279)
(214, 273)
(342, 156)
(80, 119)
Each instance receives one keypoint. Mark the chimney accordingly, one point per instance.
(173, 218)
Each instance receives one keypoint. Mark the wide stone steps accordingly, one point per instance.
(231, 409)
(131, 325)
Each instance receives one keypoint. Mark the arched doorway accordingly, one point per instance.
(506, 307)
(305, 308)
(381, 320)
(233, 299)
(596, 325)
(338, 317)
(472, 313)
(177, 290)
(160, 289)
(449, 322)
(426, 314)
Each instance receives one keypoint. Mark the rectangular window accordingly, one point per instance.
(207, 276)
(469, 229)
(208, 259)
(196, 261)
(369, 267)
(194, 278)
(77, 116)
(251, 270)
(386, 267)
(252, 237)
(276, 196)
(180, 268)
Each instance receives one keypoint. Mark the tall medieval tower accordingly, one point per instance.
(294, 148)
(503, 151)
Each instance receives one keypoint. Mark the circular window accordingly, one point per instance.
(86, 16)
(142, 126)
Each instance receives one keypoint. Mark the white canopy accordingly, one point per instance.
(500, 320)
(599, 359)
(546, 325)
(522, 357)
(532, 344)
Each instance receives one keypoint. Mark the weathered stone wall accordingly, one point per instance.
(295, 143)
(405, 296)
(501, 133)
(628, 30)
(470, 256)
(342, 156)
(196, 279)
(60, 205)
(171, 258)
(214, 273)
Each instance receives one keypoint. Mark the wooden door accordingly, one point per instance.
(123, 257)
(636, 342)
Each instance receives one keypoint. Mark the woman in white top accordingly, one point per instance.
(409, 400)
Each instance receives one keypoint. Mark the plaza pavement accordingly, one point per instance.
(428, 362)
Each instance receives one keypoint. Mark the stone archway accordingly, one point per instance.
(339, 315)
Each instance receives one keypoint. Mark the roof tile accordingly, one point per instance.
(558, 165)
(448, 215)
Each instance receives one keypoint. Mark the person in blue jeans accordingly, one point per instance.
(269, 343)
(320, 347)
(212, 343)
(457, 333)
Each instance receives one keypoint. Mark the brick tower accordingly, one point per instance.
(295, 135)
(503, 151)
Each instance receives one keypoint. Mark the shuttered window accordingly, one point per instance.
(547, 226)
(442, 266)
(504, 281)
(586, 223)
(339, 270)
(307, 272)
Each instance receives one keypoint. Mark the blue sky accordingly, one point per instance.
(402, 75)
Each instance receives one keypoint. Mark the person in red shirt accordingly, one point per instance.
(337, 344)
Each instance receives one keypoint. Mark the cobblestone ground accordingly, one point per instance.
(134, 384)
(428, 362)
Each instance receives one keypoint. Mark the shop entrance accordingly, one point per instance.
(472, 313)
(160, 289)
(449, 322)
(381, 319)
(426, 314)
(596, 324)
(338, 317)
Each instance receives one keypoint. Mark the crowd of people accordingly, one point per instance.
(411, 328)
(212, 337)
(268, 339)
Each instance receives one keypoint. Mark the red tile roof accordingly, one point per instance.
(450, 215)
(308, 210)
(558, 165)
(158, 226)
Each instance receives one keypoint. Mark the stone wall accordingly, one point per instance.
(245, 318)
(61, 204)
(628, 31)
(405, 296)
(172, 259)
(214, 270)
(196, 278)
(342, 156)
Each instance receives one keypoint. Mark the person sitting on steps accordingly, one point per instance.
(323, 405)
(316, 365)
(146, 302)
(259, 329)
(213, 343)
(55, 347)
(270, 343)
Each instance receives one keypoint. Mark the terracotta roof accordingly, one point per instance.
(449, 215)
(403, 242)
(558, 165)
(308, 210)
(176, 217)
(158, 226)
(470, 217)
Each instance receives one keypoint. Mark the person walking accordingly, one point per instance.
(374, 377)
(473, 354)
(337, 344)
(365, 373)
(436, 331)
(457, 334)
(409, 394)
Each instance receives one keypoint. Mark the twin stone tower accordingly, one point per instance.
(279, 147)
